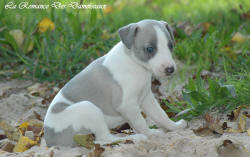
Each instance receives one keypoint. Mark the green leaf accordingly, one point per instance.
(93, 17)
(231, 90)
(213, 88)
(187, 97)
(172, 108)
(9, 38)
(3, 41)
(191, 86)
(199, 82)
(75, 25)
(198, 96)
(86, 141)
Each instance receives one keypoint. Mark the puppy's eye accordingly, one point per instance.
(150, 49)
(170, 46)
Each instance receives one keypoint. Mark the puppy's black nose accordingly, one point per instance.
(169, 70)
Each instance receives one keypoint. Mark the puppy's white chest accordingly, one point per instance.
(132, 78)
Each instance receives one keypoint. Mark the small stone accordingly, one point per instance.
(30, 135)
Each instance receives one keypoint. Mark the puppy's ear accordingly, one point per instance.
(170, 30)
(128, 34)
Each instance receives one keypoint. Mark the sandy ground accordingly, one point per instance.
(18, 105)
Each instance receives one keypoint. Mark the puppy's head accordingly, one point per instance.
(150, 43)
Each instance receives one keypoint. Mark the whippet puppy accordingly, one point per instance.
(116, 88)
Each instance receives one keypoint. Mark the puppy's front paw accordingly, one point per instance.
(181, 124)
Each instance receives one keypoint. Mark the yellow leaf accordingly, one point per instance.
(237, 112)
(205, 26)
(98, 53)
(242, 123)
(24, 125)
(45, 24)
(230, 130)
(18, 35)
(105, 35)
(238, 38)
(108, 10)
(24, 143)
(248, 132)
(11, 132)
(39, 89)
(3, 152)
(86, 141)
(30, 47)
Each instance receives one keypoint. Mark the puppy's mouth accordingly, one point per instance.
(169, 75)
(162, 75)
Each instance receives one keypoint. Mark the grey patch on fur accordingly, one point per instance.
(127, 34)
(63, 138)
(170, 31)
(95, 84)
(59, 107)
(171, 43)
(146, 37)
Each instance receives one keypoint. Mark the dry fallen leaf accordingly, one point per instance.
(238, 38)
(36, 126)
(224, 126)
(24, 143)
(18, 35)
(45, 24)
(121, 128)
(245, 16)
(2, 152)
(248, 132)
(203, 131)
(23, 127)
(213, 124)
(108, 9)
(38, 89)
(246, 114)
(242, 123)
(232, 149)
(231, 130)
(11, 132)
(188, 30)
(33, 129)
(37, 115)
(7, 145)
(205, 26)
(97, 151)
(236, 112)
(86, 141)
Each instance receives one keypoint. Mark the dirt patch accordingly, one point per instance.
(17, 105)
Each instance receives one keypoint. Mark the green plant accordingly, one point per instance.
(201, 96)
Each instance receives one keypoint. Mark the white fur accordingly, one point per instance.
(127, 73)
(163, 58)
(55, 120)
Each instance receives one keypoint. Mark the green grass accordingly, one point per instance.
(80, 36)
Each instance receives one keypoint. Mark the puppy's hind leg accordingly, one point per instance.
(86, 114)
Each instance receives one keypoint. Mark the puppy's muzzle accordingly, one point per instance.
(169, 70)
